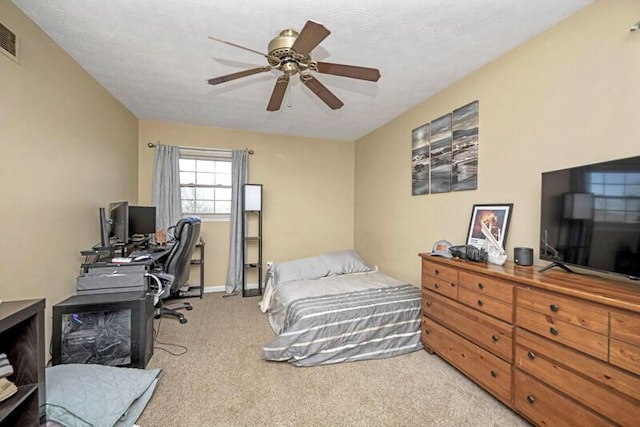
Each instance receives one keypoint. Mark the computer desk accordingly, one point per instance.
(102, 257)
(113, 274)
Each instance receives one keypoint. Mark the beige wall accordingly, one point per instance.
(307, 193)
(67, 148)
(566, 98)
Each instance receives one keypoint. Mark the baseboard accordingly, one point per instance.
(221, 288)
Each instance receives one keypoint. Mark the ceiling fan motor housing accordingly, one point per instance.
(280, 52)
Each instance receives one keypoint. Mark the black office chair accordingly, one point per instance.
(175, 271)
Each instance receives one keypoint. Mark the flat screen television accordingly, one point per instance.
(590, 217)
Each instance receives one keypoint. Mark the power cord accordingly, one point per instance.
(159, 302)
(157, 341)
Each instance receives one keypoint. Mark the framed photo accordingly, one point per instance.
(495, 217)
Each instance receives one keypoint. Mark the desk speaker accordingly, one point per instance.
(523, 256)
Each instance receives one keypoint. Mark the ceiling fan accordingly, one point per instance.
(289, 53)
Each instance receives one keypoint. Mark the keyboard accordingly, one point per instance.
(136, 253)
(159, 248)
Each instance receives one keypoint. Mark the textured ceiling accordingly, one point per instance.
(155, 56)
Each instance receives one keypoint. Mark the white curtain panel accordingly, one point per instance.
(166, 186)
(235, 269)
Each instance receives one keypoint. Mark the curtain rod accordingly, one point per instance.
(152, 145)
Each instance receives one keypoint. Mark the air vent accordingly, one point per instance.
(8, 43)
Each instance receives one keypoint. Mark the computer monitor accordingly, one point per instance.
(142, 220)
(105, 227)
(119, 215)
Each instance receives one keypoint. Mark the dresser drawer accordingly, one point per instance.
(612, 405)
(489, 333)
(440, 272)
(563, 332)
(486, 285)
(569, 310)
(486, 369)
(488, 305)
(625, 355)
(625, 327)
(443, 287)
(545, 407)
(602, 373)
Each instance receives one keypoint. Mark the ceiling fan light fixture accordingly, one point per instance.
(289, 67)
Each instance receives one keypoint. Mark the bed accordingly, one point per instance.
(335, 308)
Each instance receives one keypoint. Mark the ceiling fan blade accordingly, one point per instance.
(241, 47)
(238, 75)
(362, 73)
(321, 91)
(278, 93)
(310, 37)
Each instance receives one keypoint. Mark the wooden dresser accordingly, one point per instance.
(558, 348)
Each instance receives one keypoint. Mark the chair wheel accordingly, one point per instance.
(189, 308)
(183, 320)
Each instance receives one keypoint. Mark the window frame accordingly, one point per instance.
(209, 155)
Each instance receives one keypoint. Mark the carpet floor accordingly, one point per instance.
(221, 381)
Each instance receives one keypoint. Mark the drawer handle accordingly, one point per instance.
(553, 330)
(480, 302)
(494, 338)
(531, 399)
(531, 355)
(436, 285)
(494, 374)
(553, 307)
(427, 303)
(480, 285)
(427, 331)
(437, 271)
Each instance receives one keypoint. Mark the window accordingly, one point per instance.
(205, 183)
(617, 196)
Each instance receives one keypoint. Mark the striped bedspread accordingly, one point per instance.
(345, 327)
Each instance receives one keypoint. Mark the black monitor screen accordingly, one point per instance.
(142, 220)
(119, 216)
(104, 228)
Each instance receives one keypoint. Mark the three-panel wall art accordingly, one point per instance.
(444, 153)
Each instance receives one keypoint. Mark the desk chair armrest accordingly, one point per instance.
(163, 282)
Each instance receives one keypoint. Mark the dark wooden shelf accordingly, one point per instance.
(22, 340)
(9, 405)
(252, 242)
(252, 265)
(196, 290)
(251, 292)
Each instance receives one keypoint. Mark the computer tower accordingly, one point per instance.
(106, 329)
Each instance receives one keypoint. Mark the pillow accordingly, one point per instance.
(299, 269)
(344, 262)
